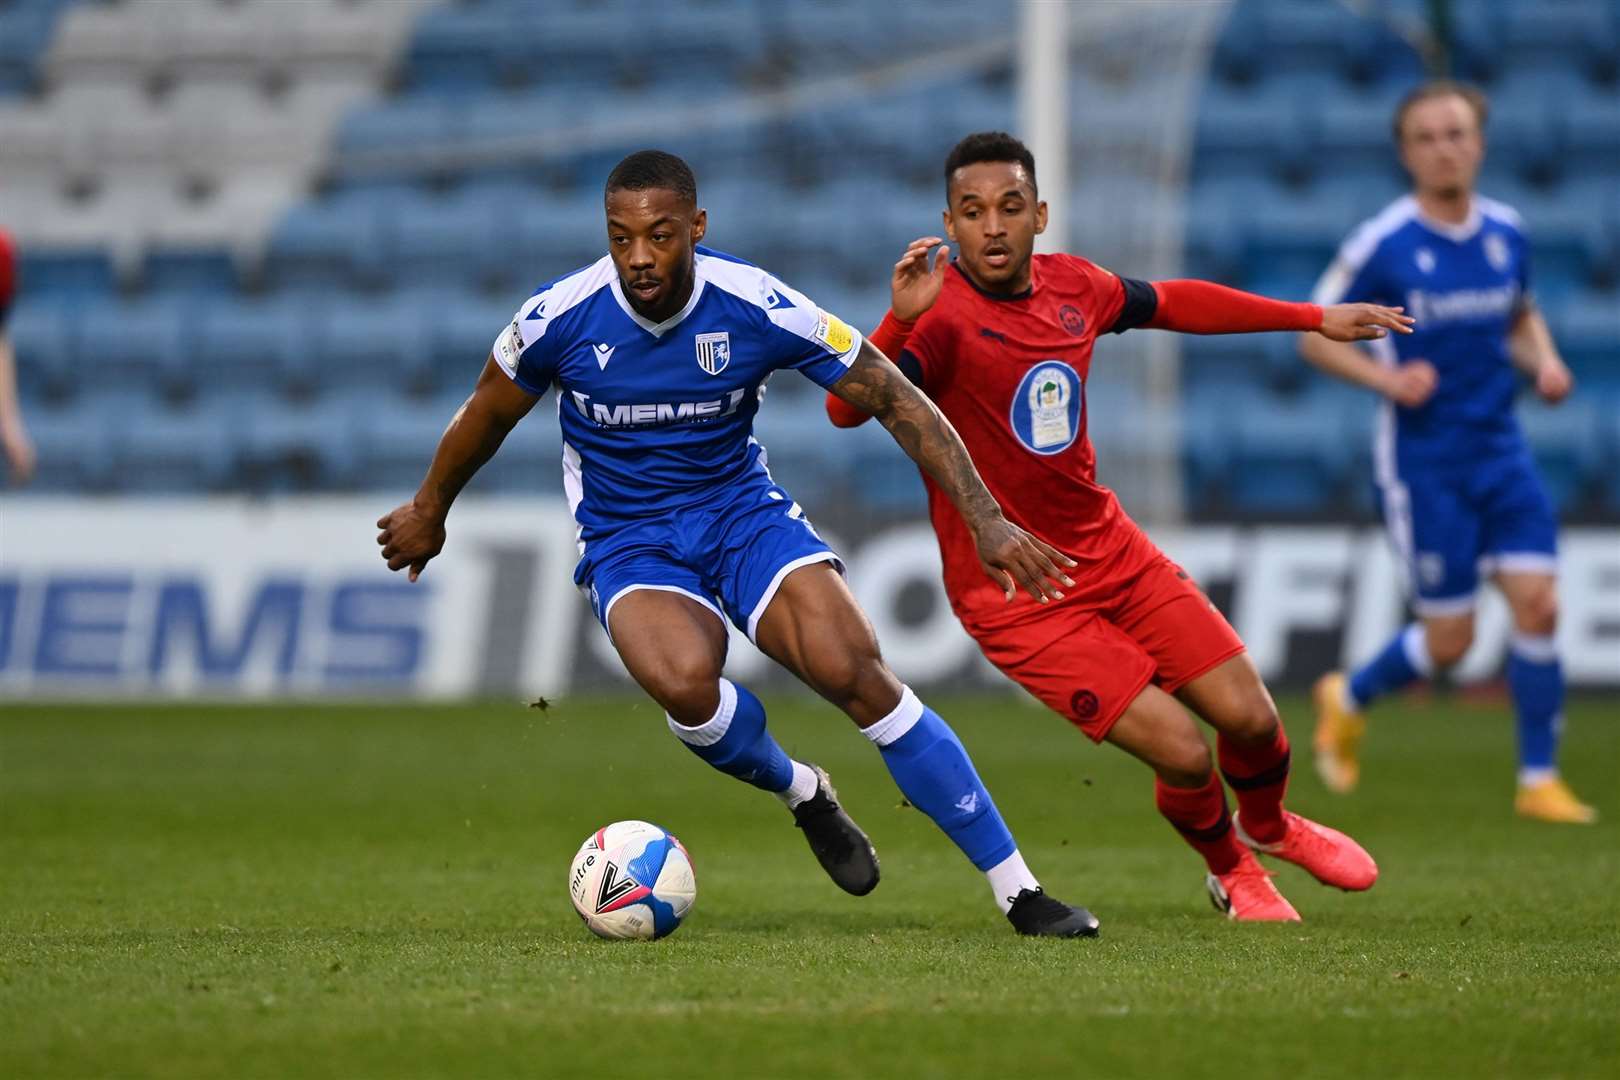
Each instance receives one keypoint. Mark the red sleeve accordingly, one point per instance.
(8, 269)
(1203, 307)
(890, 339)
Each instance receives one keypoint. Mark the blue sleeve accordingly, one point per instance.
(1353, 277)
(807, 339)
(525, 351)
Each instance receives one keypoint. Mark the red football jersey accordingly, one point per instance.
(1010, 375)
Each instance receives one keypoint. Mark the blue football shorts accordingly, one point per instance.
(1453, 525)
(730, 555)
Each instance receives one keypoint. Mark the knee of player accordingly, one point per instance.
(1537, 614)
(1448, 644)
(1254, 720)
(847, 674)
(1187, 765)
(688, 688)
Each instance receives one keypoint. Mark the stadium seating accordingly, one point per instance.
(290, 301)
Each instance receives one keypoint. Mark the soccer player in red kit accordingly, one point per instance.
(1001, 340)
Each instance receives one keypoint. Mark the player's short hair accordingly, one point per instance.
(1439, 88)
(653, 169)
(990, 146)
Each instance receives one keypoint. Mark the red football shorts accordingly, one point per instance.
(1088, 662)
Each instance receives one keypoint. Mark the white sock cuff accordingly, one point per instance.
(897, 723)
(1536, 648)
(1415, 643)
(713, 729)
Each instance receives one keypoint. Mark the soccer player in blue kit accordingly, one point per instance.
(1458, 487)
(659, 353)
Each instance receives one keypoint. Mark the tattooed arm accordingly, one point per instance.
(1011, 556)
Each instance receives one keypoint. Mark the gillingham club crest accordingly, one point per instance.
(1046, 408)
(714, 351)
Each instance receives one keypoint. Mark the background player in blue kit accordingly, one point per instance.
(659, 353)
(1458, 488)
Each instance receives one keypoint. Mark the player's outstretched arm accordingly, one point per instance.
(413, 533)
(1011, 556)
(1531, 347)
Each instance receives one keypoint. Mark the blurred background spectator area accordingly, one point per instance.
(265, 244)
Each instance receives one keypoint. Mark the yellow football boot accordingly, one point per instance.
(1551, 800)
(1338, 735)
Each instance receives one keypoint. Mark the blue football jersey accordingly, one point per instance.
(659, 416)
(1465, 285)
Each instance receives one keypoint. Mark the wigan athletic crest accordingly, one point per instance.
(714, 351)
(1046, 408)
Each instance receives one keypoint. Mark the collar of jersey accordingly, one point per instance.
(1023, 294)
(1457, 234)
(660, 329)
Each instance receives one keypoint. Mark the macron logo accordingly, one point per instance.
(968, 803)
(604, 353)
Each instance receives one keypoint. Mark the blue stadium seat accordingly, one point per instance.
(74, 445)
(1296, 238)
(1593, 134)
(443, 242)
(253, 344)
(1566, 442)
(189, 270)
(137, 344)
(1587, 329)
(299, 447)
(456, 50)
(1352, 136)
(1290, 456)
(395, 438)
(44, 336)
(1252, 135)
(382, 342)
(462, 332)
(67, 272)
(333, 242)
(397, 124)
(1553, 33)
(160, 448)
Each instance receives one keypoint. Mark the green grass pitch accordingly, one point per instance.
(379, 891)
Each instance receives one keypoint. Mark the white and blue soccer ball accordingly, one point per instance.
(632, 879)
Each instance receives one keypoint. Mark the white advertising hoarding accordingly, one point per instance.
(241, 598)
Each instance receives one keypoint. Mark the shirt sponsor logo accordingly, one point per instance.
(1462, 304)
(714, 351)
(659, 413)
(1045, 413)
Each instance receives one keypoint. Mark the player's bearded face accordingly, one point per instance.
(651, 234)
(1442, 146)
(993, 217)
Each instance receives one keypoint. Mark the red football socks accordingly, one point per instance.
(1200, 816)
(1258, 775)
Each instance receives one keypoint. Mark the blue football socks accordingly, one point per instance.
(933, 771)
(735, 741)
(1536, 680)
(1404, 660)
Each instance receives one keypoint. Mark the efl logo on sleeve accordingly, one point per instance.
(509, 347)
(832, 332)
